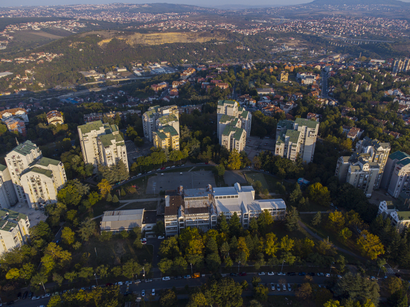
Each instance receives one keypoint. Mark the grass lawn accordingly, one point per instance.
(325, 233)
(252, 177)
(114, 252)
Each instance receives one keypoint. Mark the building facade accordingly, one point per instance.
(102, 144)
(234, 125)
(296, 138)
(201, 207)
(396, 177)
(364, 169)
(166, 137)
(399, 218)
(151, 122)
(14, 230)
(8, 195)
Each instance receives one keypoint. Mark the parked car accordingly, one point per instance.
(271, 273)
(284, 287)
(233, 274)
(242, 274)
(153, 292)
(302, 274)
(166, 278)
(161, 237)
(272, 286)
(261, 274)
(187, 276)
(327, 275)
(278, 287)
(289, 287)
(143, 241)
(292, 273)
(143, 293)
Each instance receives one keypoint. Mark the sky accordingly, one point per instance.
(5, 3)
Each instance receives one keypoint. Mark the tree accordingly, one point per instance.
(168, 298)
(213, 262)
(109, 198)
(357, 288)
(234, 160)
(86, 273)
(304, 292)
(105, 187)
(197, 300)
(131, 268)
(226, 292)
(370, 245)
(68, 236)
(55, 301)
(336, 220)
(220, 170)
(260, 293)
(165, 265)
(253, 225)
(292, 219)
(271, 244)
(235, 225)
(392, 284)
(264, 220)
(13, 274)
(332, 303)
(345, 234)
(222, 224)
(57, 278)
(256, 281)
(86, 230)
(115, 199)
(255, 303)
(317, 219)
(70, 276)
(319, 194)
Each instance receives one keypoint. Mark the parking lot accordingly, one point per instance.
(254, 145)
(172, 180)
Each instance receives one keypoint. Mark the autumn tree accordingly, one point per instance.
(105, 187)
(319, 194)
(370, 245)
(234, 160)
(68, 236)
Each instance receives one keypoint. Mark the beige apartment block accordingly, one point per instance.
(14, 230)
(17, 161)
(166, 137)
(157, 117)
(102, 144)
(296, 138)
(55, 117)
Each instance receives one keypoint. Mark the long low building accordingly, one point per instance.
(201, 207)
(116, 221)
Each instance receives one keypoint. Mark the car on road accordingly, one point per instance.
(172, 166)
(281, 274)
(322, 274)
(166, 278)
(261, 274)
(271, 273)
(149, 172)
(139, 174)
(35, 297)
(278, 287)
(153, 292)
(143, 293)
(161, 237)
(143, 240)
(272, 286)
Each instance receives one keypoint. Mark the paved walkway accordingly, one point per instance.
(315, 235)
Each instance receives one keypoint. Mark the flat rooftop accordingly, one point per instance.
(123, 215)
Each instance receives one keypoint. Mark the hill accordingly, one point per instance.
(360, 2)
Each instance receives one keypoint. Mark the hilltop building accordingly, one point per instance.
(296, 138)
(36, 179)
(55, 117)
(102, 144)
(201, 207)
(14, 230)
(283, 77)
(234, 125)
(364, 168)
(161, 126)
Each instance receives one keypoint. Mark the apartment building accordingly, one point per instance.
(16, 113)
(364, 168)
(201, 207)
(234, 125)
(283, 77)
(17, 161)
(157, 117)
(399, 218)
(401, 65)
(16, 125)
(396, 177)
(14, 230)
(42, 181)
(166, 137)
(102, 144)
(55, 117)
(296, 138)
(8, 195)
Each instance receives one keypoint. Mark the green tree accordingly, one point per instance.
(220, 170)
(222, 224)
(109, 198)
(197, 299)
(292, 219)
(260, 293)
(265, 219)
(105, 187)
(86, 230)
(168, 298)
(115, 199)
(165, 265)
(235, 225)
(71, 276)
(68, 236)
(234, 160)
(13, 274)
(225, 292)
(319, 194)
(317, 219)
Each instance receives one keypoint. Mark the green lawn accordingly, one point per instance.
(114, 252)
(253, 177)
